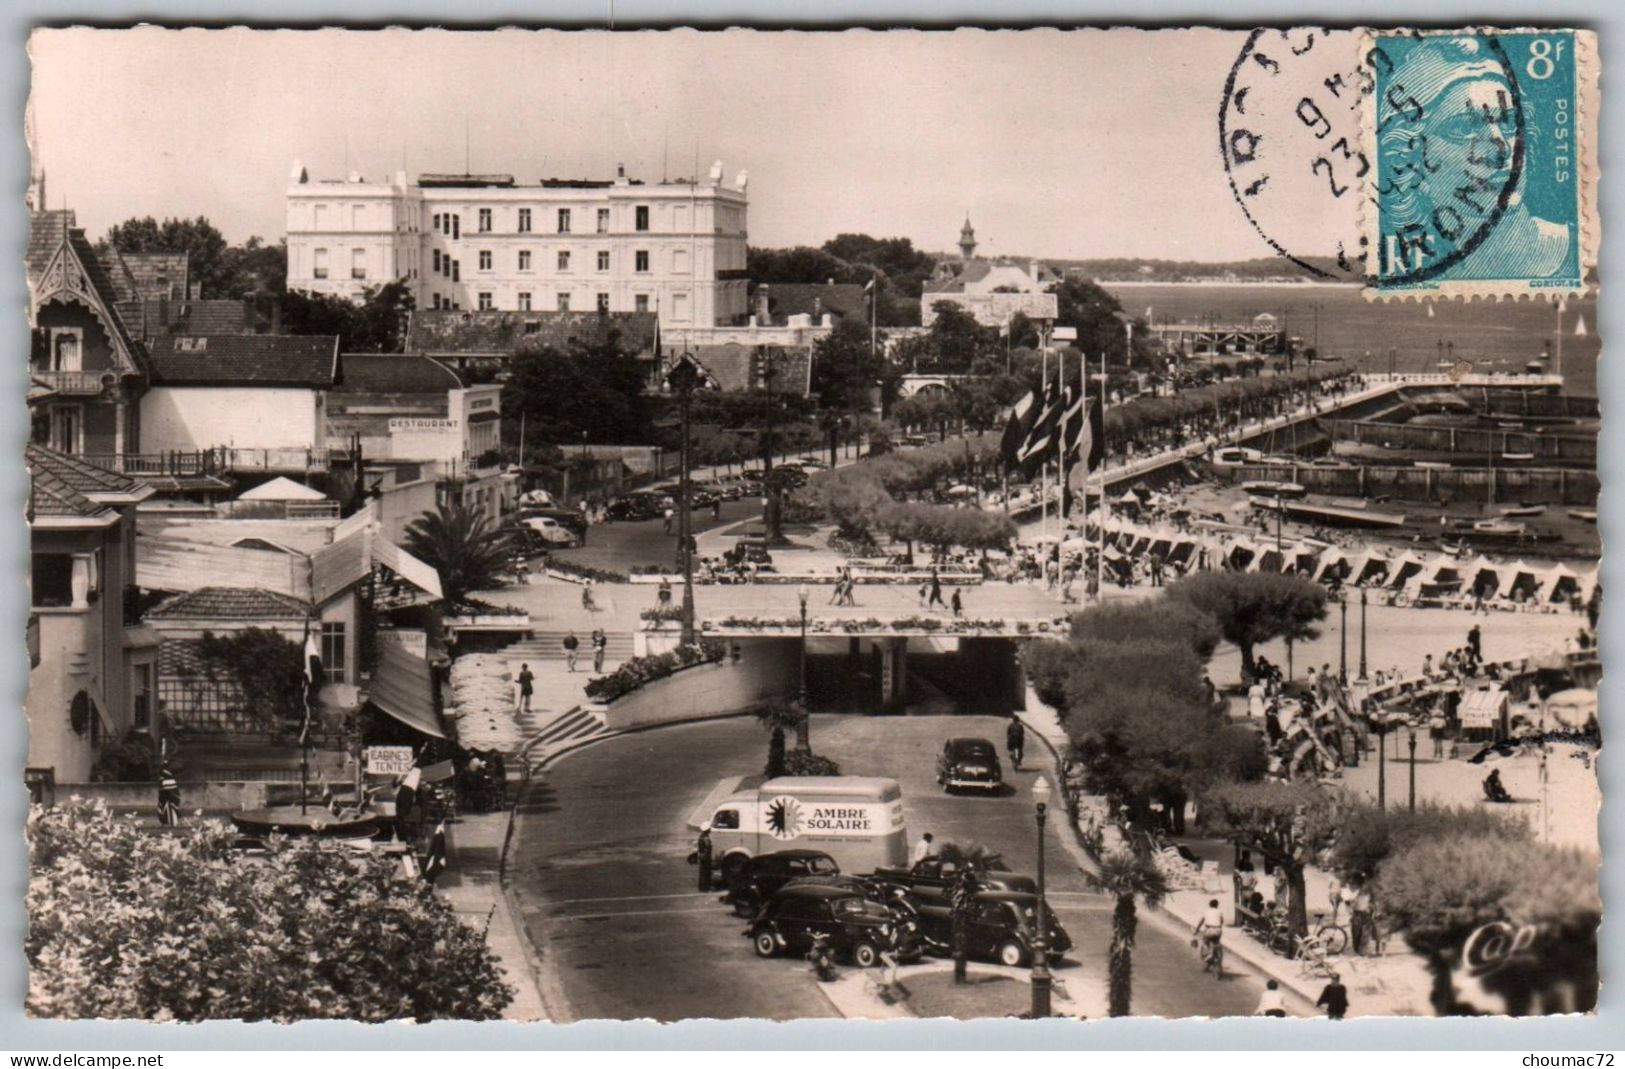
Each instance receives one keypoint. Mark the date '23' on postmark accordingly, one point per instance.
(1484, 176)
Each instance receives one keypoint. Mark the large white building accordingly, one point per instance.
(486, 242)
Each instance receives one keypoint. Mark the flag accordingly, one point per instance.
(1016, 427)
(1085, 444)
(1580, 327)
(869, 287)
(1035, 450)
(435, 863)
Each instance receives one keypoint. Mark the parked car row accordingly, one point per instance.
(795, 897)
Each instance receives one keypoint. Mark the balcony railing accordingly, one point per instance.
(83, 383)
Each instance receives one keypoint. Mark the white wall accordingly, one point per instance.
(202, 417)
(766, 669)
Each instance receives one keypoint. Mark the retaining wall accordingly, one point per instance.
(1545, 485)
(767, 668)
(1472, 441)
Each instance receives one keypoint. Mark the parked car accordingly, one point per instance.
(813, 465)
(969, 764)
(1002, 928)
(730, 491)
(551, 530)
(759, 877)
(632, 507)
(855, 926)
(572, 519)
(931, 877)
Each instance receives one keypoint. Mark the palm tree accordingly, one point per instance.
(1126, 875)
(776, 716)
(970, 863)
(468, 552)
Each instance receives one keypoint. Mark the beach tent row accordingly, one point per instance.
(1408, 571)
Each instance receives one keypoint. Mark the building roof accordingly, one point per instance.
(149, 275)
(307, 360)
(150, 318)
(46, 231)
(735, 368)
(461, 333)
(230, 603)
(282, 488)
(958, 275)
(52, 236)
(385, 373)
(843, 300)
(66, 486)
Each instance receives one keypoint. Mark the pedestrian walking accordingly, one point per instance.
(925, 848)
(716, 508)
(1475, 642)
(586, 596)
(527, 687)
(664, 593)
(169, 798)
(936, 590)
(702, 856)
(957, 605)
(1273, 1001)
(1436, 728)
(669, 514)
(1015, 740)
(1360, 917)
(600, 643)
(1335, 997)
(406, 793)
(925, 593)
(571, 643)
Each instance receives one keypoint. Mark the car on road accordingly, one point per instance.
(552, 531)
(1002, 928)
(632, 507)
(755, 881)
(857, 927)
(572, 519)
(969, 764)
(813, 465)
(857, 820)
(932, 877)
(730, 491)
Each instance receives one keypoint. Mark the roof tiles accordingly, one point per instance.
(246, 360)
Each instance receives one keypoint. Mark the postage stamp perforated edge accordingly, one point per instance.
(1585, 123)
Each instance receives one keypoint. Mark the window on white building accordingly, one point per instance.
(485, 220)
(485, 259)
(603, 220)
(457, 270)
(564, 302)
(640, 303)
(65, 428)
(641, 217)
(564, 259)
(679, 307)
(436, 225)
(358, 263)
(564, 220)
(603, 259)
(524, 220)
(333, 652)
(524, 259)
(436, 304)
(66, 349)
(524, 300)
(603, 302)
(319, 212)
(456, 226)
(679, 261)
(320, 270)
(358, 215)
(640, 260)
(436, 261)
(485, 301)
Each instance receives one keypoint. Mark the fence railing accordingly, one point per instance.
(75, 382)
(220, 460)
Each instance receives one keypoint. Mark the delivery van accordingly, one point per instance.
(857, 820)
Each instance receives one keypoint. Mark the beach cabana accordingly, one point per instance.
(1521, 582)
(1182, 550)
(1481, 577)
(1404, 570)
(1562, 583)
(1268, 561)
(1240, 554)
(1368, 568)
(1333, 564)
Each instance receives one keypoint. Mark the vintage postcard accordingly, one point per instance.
(557, 526)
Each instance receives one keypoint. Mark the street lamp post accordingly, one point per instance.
(1382, 763)
(1411, 741)
(1343, 639)
(1362, 634)
(803, 738)
(683, 377)
(1040, 975)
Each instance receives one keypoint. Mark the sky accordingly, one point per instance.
(1058, 144)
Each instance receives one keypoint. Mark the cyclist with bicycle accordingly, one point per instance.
(1210, 930)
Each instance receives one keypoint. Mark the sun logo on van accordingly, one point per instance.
(784, 817)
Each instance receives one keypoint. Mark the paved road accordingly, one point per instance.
(607, 898)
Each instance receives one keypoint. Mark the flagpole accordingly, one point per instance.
(1043, 469)
(304, 730)
(1100, 553)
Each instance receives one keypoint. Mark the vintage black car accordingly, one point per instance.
(633, 507)
(857, 927)
(569, 518)
(931, 878)
(969, 764)
(1002, 927)
(759, 877)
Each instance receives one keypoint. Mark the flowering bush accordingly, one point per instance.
(125, 924)
(800, 763)
(638, 671)
(661, 615)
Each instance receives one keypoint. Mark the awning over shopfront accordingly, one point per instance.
(403, 688)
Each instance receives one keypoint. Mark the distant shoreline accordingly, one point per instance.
(1275, 284)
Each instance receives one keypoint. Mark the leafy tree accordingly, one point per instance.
(1251, 608)
(844, 368)
(971, 863)
(1288, 823)
(777, 717)
(563, 395)
(903, 266)
(957, 339)
(802, 264)
(375, 324)
(1369, 836)
(1022, 332)
(1095, 313)
(268, 669)
(124, 924)
(1546, 898)
(1126, 876)
(463, 547)
(202, 242)
(1158, 620)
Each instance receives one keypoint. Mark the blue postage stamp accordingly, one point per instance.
(1484, 174)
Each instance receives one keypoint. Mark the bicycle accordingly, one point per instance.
(1211, 951)
(1313, 957)
(1333, 935)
